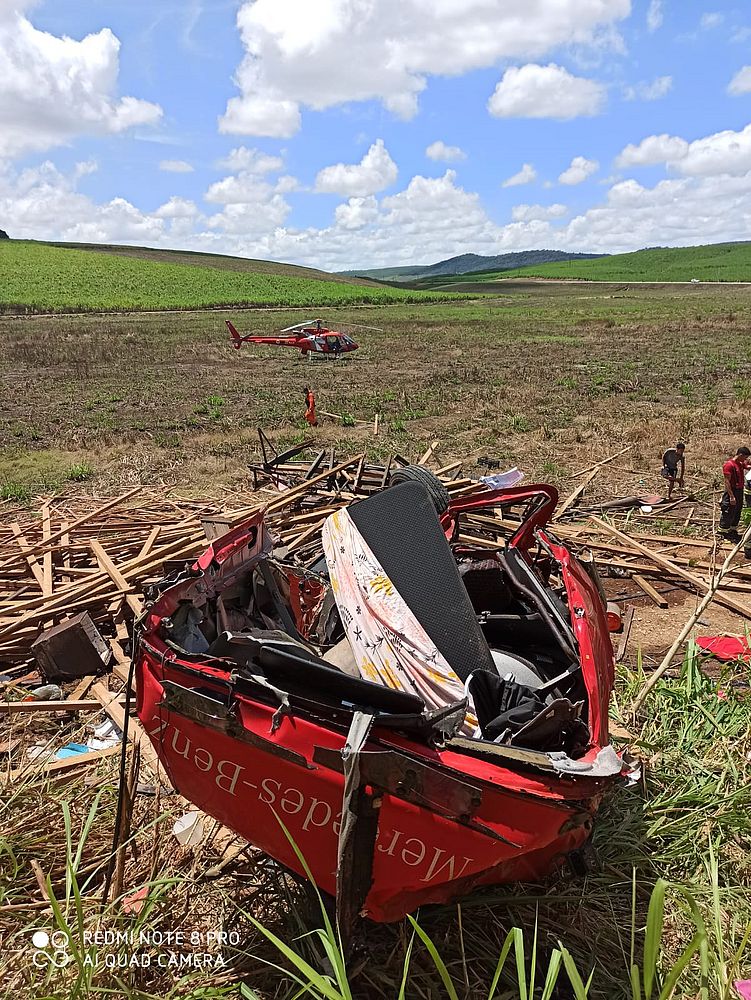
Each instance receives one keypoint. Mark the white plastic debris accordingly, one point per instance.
(189, 829)
(105, 736)
(503, 480)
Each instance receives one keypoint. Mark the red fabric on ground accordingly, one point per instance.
(725, 647)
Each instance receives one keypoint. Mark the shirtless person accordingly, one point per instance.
(671, 460)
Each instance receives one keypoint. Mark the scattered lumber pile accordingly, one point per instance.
(98, 555)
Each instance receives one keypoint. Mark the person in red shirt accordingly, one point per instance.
(734, 471)
(310, 407)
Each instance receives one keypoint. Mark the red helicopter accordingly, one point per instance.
(310, 337)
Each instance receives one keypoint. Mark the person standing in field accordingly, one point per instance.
(310, 407)
(674, 466)
(734, 472)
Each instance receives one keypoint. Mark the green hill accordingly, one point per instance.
(466, 263)
(715, 262)
(198, 258)
(41, 277)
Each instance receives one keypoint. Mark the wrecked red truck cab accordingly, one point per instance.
(424, 715)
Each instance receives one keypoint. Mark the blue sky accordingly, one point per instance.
(343, 133)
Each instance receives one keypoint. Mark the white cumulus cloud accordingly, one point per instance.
(524, 176)
(373, 173)
(550, 91)
(41, 203)
(356, 213)
(252, 161)
(53, 89)
(318, 55)
(712, 19)
(741, 82)
(654, 15)
(176, 166)
(429, 220)
(652, 150)
(537, 213)
(722, 153)
(659, 87)
(448, 154)
(177, 208)
(578, 171)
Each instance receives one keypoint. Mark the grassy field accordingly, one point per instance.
(195, 258)
(37, 277)
(717, 262)
(550, 377)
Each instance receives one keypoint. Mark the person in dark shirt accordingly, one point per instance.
(733, 471)
(671, 461)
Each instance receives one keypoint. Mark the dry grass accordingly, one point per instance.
(546, 379)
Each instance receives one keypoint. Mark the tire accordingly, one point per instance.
(417, 474)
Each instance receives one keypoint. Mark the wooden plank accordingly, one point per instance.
(302, 489)
(646, 587)
(599, 465)
(117, 577)
(300, 539)
(78, 760)
(47, 557)
(64, 543)
(446, 470)
(135, 732)
(628, 621)
(148, 545)
(428, 454)
(81, 689)
(358, 474)
(40, 547)
(573, 497)
(673, 568)
(33, 562)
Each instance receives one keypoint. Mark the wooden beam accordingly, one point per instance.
(148, 545)
(428, 454)
(628, 622)
(599, 465)
(573, 497)
(135, 733)
(47, 557)
(673, 568)
(302, 489)
(36, 569)
(117, 577)
(646, 587)
(77, 760)
(36, 549)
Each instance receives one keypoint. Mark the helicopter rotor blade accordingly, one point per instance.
(298, 326)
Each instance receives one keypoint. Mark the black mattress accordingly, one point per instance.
(401, 527)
